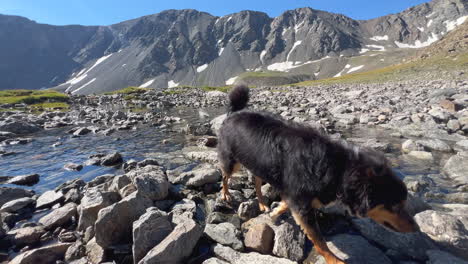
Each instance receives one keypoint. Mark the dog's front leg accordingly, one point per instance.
(226, 196)
(314, 235)
(258, 189)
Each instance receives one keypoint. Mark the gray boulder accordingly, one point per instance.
(216, 123)
(18, 127)
(234, 257)
(48, 199)
(214, 261)
(59, 217)
(457, 168)
(225, 234)
(76, 251)
(26, 235)
(289, 242)
(112, 159)
(47, 254)
(435, 144)
(93, 201)
(356, 250)
(114, 223)
(16, 205)
(148, 231)
(199, 176)
(28, 180)
(176, 246)
(449, 230)
(8, 194)
(150, 181)
(94, 252)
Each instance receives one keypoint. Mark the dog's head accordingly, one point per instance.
(380, 195)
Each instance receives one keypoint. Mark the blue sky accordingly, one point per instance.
(106, 12)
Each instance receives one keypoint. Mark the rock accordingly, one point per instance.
(112, 159)
(59, 217)
(199, 176)
(230, 255)
(214, 261)
(216, 123)
(410, 145)
(422, 155)
(441, 257)
(93, 201)
(248, 210)
(225, 234)
(81, 131)
(26, 235)
(260, 238)
(47, 254)
(214, 94)
(448, 230)
(204, 155)
(73, 167)
(269, 193)
(67, 236)
(49, 199)
(176, 246)
(94, 252)
(453, 125)
(289, 242)
(209, 142)
(461, 146)
(440, 114)
(416, 205)
(435, 144)
(346, 119)
(28, 180)
(16, 205)
(150, 181)
(119, 182)
(18, 127)
(457, 168)
(8, 194)
(76, 251)
(114, 223)
(449, 106)
(407, 245)
(148, 231)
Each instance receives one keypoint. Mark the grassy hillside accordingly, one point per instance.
(31, 96)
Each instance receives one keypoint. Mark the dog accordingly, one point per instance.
(309, 170)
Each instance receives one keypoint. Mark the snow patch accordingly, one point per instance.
(429, 23)
(229, 19)
(451, 25)
(357, 68)
(421, 29)
(346, 67)
(288, 65)
(418, 44)
(99, 61)
(298, 27)
(380, 48)
(316, 73)
(262, 55)
(297, 43)
(220, 51)
(379, 38)
(125, 64)
(284, 31)
(431, 14)
(363, 51)
(146, 84)
(202, 68)
(84, 85)
(77, 79)
(231, 81)
(171, 84)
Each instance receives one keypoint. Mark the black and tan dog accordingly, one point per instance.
(309, 170)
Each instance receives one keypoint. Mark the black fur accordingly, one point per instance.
(303, 163)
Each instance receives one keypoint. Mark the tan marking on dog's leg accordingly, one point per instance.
(258, 189)
(319, 243)
(316, 203)
(281, 209)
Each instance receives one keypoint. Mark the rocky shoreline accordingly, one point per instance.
(153, 214)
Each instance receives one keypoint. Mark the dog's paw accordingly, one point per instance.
(227, 197)
(263, 208)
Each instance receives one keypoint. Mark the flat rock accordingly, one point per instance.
(148, 231)
(18, 127)
(150, 181)
(199, 176)
(234, 257)
(48, 199)
(114, 223)
(408, 245)
(225, 234)
(47, 254)
(435, 144)
(422, 155)
(260, 238)
(8, 194)
(16, 205)
(457, 168)
(59, 217)
(449, 230)
(289, 242)
(177, 245)
(93, 201)
(26, 235)
(27, 180)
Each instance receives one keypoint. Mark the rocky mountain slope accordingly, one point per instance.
(188, 47)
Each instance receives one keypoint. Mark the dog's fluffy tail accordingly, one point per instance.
(238, 98)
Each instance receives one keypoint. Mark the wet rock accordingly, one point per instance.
(230, 255)
(447, 229)
(49, 199)
(148, 231)
(151, 181)
(416, 205)
(260, 238)
(47, 254)
(16, 205)
(112, 159)
(457, 168)
(73, 167)
(114, 223)
(76, 251)
(93, 201)
(406, 245)
(289, 242)
(26, 235)
(18, 127)
(435, 144)
(199, 176)
(8, 194)
(81, 131)
(248, 210)
(441, 257)
(225, 234)
(177, 245)
(59, 217)
(94, 252)
(28, 180)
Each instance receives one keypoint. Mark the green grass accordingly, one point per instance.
(31, 96)
(264, 74)
(404, 71)
(224, 89)
(129, 90)
(173, 92)
(58, 105)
